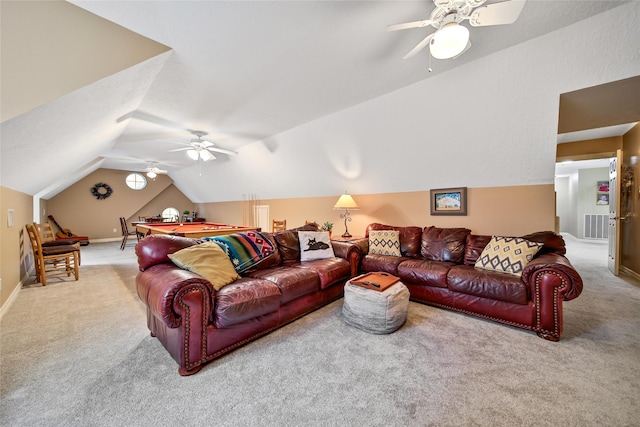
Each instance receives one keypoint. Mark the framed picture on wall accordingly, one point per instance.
(602, 193)
(449, 201)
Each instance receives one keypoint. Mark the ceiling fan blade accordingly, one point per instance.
(497, 13)
(419, 46)
(415, 24)
(222, 150)
(181, 149)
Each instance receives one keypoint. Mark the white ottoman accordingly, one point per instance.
(375, 312)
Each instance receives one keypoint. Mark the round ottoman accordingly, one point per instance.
(375, 312)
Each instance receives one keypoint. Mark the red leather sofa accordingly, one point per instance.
(197, 324)
(437, 266)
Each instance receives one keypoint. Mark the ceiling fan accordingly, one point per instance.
(197, 148)
(451, 39)
(153, 171)
(201, 149)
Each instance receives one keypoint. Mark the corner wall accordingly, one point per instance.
(78, 210)
(15, 248)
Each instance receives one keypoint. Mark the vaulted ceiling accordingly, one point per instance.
(120, 84)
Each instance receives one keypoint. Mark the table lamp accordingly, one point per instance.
(347, 203)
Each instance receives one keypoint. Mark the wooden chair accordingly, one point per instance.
(52, 261)
(48, 238)
(278, 225)
(126, 233)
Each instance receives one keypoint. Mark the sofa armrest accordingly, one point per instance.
(350, 252)
(552, 263)
(163, 288)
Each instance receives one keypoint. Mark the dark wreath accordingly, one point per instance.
(97, 191)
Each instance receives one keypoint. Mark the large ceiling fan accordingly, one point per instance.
(201, 149)
(451, 39)
(197, 149)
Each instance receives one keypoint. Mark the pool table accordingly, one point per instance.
(191, 229)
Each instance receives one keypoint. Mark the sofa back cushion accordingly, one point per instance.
(444, 244)
(474, 247)
(552, 243)
(409, 238)
(155, 248)
(289, 243)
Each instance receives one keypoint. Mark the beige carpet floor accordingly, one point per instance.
(79, 354)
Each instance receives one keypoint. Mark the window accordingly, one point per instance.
(136, 181)
(170, 215)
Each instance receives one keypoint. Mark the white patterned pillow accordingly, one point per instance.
(384, 242)
(507, 254)
(315, 245)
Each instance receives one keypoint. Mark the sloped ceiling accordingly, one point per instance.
(244, 72)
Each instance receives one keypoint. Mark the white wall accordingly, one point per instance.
(586, 197)
(491, 122)
(564, 206)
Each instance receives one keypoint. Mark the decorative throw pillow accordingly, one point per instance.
(507, 254)
(315, 245)
(245, 249)
(208, 260)
(384, 242)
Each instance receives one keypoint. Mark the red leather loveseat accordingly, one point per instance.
(437, 266)
(197, 324)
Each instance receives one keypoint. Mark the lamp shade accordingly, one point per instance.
(346, 202)
(449, 41)
(193, 154)
(206, 155)
(151, 174)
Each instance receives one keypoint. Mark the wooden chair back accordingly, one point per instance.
(125, 233)
(278, 225)
(52, 260)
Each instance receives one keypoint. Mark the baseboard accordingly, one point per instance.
(108, 239)
(628, 272)
(16, 291)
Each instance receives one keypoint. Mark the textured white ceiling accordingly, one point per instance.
(244, 72)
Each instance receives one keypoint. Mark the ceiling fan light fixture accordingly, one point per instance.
(205, 155)
(449, 41)
(151, 174)
(193, 154)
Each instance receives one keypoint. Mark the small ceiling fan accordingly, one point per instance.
(451, 39)
(153, 171)
(201, 149)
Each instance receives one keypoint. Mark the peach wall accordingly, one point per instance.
(15, 249)
(630, 228)
(516, 210)
(78, 210)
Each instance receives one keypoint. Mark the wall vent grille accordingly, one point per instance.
(596, 226)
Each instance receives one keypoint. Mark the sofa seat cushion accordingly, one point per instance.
(487, 284)
(245, 299)
(292, 282)
(424, 272)
(330, 270)
(386, 263)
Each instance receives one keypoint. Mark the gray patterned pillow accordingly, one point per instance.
(384, 242)
(507, 254)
